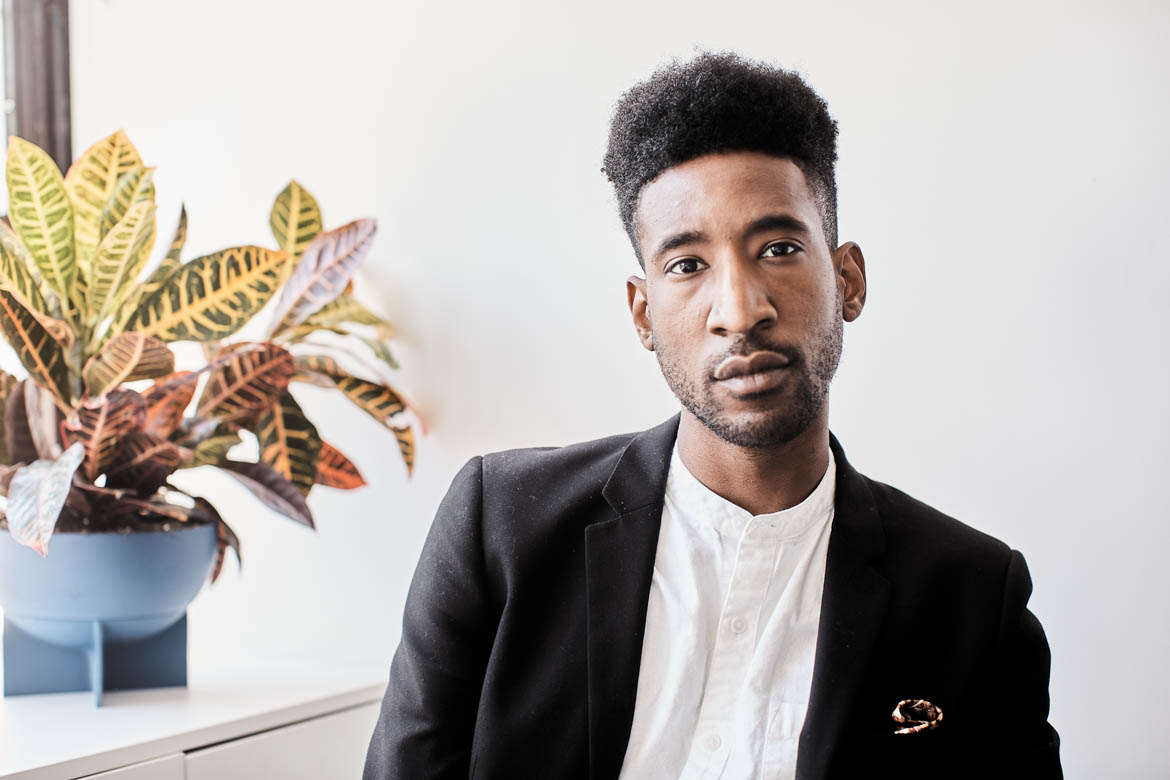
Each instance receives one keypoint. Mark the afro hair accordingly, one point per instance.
(720, 102)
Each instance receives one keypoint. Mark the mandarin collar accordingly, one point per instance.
(701, 506)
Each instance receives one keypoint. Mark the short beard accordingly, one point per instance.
(779, 425)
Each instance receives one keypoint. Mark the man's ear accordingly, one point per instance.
(849, 264)
(640, 310)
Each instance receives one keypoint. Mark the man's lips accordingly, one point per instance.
(755, 373)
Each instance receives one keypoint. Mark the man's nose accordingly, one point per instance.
(740, 302)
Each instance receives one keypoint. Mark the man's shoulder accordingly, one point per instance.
(525, 459)
(578, 469)
(924, 539)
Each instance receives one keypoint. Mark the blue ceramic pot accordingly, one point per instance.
(100, 598)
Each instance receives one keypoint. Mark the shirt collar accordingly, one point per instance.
(694, 501)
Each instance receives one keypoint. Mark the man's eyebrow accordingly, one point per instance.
(679, 239)
(764, 223)
(778, 222)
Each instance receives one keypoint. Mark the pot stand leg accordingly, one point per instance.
(104, 663)
(97, 674)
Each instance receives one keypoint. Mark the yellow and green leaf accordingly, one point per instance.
(157, 278)
(210, 297)
(41, 213)
(118, 259)
(289, 442)
(17, 275)
(214, 449)
(133, 186)
(91, 181)
(344, 308)
(295, 220)
(405, 437)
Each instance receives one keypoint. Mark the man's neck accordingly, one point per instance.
(762, 480)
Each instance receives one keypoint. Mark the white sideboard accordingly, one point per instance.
(237, 718)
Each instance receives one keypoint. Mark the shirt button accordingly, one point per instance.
(738, 625)
(713, 742)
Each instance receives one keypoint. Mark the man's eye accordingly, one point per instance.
(780, 249)
(688, 265)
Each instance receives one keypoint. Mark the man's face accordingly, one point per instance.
(743, 302)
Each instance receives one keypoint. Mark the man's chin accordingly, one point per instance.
(755, 429)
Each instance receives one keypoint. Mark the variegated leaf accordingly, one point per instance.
(42, 215)
(379, 348)
(312, 378)
(405, 437)
(193, 430)
(18, 438)
(335, 470)
(225, 537)
(91, 182)
(36, 495)
(144, 462)
(100, 423)
(298, 333)
(44, 419)
(247, 384)
(128, 509)
(8, 385)
(19, 273)
(127, 357)
(166, 401)
(158, 277)
(39, 342)
(295, 221)
(289, 442)
(272, 488)
(210, 297)
(378, 401)
(118, 259)
(133, 187)
(179, 238)
(344, 308)
(322, 272)
(211, 348)
(318, 364)
(214, 449)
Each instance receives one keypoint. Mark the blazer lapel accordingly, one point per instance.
(852, 607)
(619, 565)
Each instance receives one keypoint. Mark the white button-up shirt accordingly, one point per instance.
(731, 632)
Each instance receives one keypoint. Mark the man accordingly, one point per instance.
(722, 595)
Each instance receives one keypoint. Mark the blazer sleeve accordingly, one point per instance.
(428, 714)
(1018, 740)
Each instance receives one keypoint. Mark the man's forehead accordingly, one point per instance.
(720, 191)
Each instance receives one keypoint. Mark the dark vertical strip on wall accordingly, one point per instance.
(37, 48)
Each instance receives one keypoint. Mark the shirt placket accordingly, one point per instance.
(732, 652)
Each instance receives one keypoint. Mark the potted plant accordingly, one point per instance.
(91, 436)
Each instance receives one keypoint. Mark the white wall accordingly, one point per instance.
(1003, 167)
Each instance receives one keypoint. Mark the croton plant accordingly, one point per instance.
(102, 421)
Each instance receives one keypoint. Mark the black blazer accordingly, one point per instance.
(522, 632)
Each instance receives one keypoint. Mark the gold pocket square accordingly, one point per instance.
(916, 715)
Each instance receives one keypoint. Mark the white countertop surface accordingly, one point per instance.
(64, 735)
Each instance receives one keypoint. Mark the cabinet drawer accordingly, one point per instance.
(165, 768)
(331, 746)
